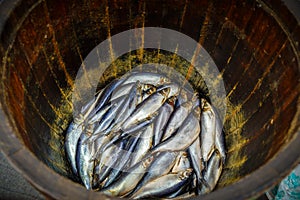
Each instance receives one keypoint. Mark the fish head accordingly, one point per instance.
(151, 90)
(163, 80)
(78, 119)
(165, 92)
(148, 161)
(90, 129)
(186, 173)
(174, 88)
(183, 154)
(171, 100)
(205, 106)
(147, 86)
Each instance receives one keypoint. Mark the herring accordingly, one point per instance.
(83, 163)
(162, 164)
(184, 137)
(121, 90)
(74, 132)
(195, 155)
(146, 108)
(106, 161)
(143, 146)
(177, 119)
(106, 94)
(128, 180)
(220, 139)
(162, 119)
(147, 77)
(128, 106)
(212, 174)
(121, 162)
(163, 185)
(140, 117)
(208, 123)
(182, 162)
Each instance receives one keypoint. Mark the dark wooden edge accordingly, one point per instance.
(6, 7)
(58, 187)
(35, 171)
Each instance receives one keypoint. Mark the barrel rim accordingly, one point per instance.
(23, 160)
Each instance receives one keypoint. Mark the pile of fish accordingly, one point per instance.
(144, 136)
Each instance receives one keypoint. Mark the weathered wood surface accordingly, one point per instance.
(256, 50)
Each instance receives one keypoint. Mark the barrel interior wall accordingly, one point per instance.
(255, 57)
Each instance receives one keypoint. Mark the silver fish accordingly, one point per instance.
(101, 140)
(195, 155)
(128, 105)
(98, 116)
(84, 165)
(174, 89)
(162, 164)
(107, 92)
(181, 98)
(146, 93)
(122, 161)
(121, 91)
(182, 162)
(208, 130)
(212, 174)
(74, 131)
(163, 185)
(140, 134)
(116, 136)
(161, 120)
(143, 146)
(109, 116)
(220, 139)
(182, 190)
(133, 131)
(73, 134)
(184, 137)
(128, 180)
(106, 162)
(146, 109)
(177, 119)
(147, 78)
(147, 90)
(102, 115)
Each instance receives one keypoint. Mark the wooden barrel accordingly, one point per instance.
(255, 45)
